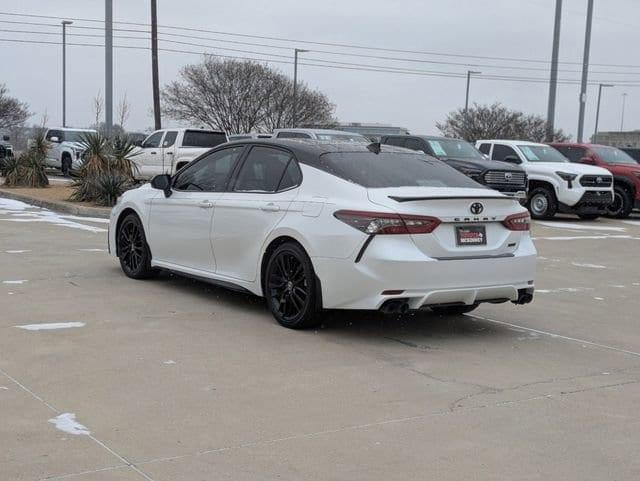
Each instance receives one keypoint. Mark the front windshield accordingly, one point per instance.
(542, 153)
(74, 135)
(458, 149)
(611, 155)
(342, 137)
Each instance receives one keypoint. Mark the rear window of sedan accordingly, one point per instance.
(393, 169)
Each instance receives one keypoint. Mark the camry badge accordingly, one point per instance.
(476, 208)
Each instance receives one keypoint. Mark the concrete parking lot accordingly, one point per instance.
(176, 380)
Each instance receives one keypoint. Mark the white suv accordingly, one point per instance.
(319, 134)
(65, 148)
(555, 184)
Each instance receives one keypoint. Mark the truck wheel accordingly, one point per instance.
(66, 165)
(622, 203)
(543, 203)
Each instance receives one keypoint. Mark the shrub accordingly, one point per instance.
(103, 189)
(122, 149)
(28, 170)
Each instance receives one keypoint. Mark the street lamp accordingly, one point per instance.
(600, 87)
(295, 84)
(64, 70)
(466, 100)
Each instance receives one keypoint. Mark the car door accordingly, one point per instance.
(180, 225)
(53, 153)
(263, 189)
(169, 151)
(149, 157)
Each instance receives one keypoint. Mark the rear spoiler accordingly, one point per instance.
(452, 197)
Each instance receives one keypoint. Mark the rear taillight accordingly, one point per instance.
(519, 222)
(377, 223)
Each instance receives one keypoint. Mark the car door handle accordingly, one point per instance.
(169, 153)
(270, 207)
(205, 204)
(152, 153)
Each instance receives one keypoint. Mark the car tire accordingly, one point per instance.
(66, 165)
(133, 250)
(542, 203)
(588, 216)
(291, 288)
(622, 203)
(453, 310)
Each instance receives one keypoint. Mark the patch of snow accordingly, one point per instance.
(587, 237)
(564, 289)
(589, 266)
(97, 220)
(93, 250)
(50, 326)
(599, 298)
(23, 212)
(170, 361)
(4, 388)
(67, 422)
(18, 281)
(572, 226)
(618, 286)
(18, 251)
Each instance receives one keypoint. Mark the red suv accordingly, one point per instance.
(625, 170)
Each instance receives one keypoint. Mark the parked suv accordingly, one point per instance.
(555, 184)
(625, 170)
(168, 150)
(319, 134)
(6, 151)
(507, 178)
(66, 147)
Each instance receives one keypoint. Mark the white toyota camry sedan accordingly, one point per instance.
(319, 225)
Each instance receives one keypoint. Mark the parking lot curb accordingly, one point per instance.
(101, 212)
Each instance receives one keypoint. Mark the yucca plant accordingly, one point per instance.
(27, 170)
(122, 151)
(96, 155)
(104, 189)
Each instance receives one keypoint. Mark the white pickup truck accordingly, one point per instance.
(168, 150)
(65, 148)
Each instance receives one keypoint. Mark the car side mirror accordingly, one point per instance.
(512, 159)
(55, 140)
(6, 138)
(162, 182)
(587, 160)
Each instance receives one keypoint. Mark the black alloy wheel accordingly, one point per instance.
(133, 251)
(290, 287)
(622, 204)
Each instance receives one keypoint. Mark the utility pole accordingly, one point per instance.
(154, 65)
(553, 81)
(624, 101)
(64, 71)
(466, 99)
(295, 85)
(108, 65)
(585, 69)
(600, 87)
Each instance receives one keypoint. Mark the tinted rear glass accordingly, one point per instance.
(393, 169)
(458, 149)
(196, 138)
(611, 155)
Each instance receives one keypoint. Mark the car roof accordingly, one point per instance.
(68, 129)
(514, 142)
(317, 131)
(578, 144)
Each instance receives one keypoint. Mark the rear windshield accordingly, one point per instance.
(458, 149)
(542, 153)
(611, 155)
(198, 138)
(393, 169)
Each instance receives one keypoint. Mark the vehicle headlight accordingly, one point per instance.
(567, 176)
(473, 173)
(637, 174)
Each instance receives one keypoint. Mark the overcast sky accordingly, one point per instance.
(496, 28)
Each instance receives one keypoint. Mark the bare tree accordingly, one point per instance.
(98, 107)
(496, 122)
(241, 96)
(13, 113)
(124, 110)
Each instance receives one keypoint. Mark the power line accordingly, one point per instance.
(308, 42)
(341, 66)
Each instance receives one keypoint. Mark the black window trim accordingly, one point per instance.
(206, 154)
(234, 178)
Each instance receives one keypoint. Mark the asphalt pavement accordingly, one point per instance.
(104, 378)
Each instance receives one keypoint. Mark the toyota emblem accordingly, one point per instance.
(476, 208)
(598, 180)
(508, 175)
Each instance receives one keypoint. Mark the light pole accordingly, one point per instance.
(466, 100)
(600, 87)
(108, 65)
(624, 101)
(553, 80)
(295, 84)
(64, 70)
(585, 69)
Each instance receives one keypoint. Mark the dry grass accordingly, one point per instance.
(57, 193)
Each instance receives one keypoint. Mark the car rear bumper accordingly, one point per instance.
(383, 274)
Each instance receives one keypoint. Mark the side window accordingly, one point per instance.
(54, 133)
(263, 170)
(293, 135)
(397, 141)
(170, 138)
(153, 141)
(485, 148)
(574, 154)
(210, 173)
(291, 177)
(414, 144)
(501, 152)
